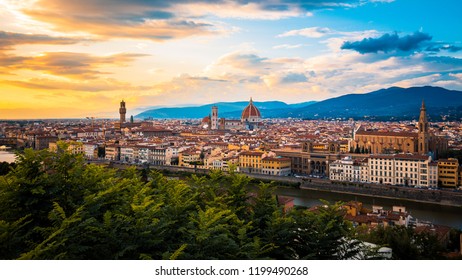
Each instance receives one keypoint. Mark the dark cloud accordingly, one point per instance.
(283, 5)
(388, 43)
(443, 63)
(294, 78)
(9, 39)
(275, 5)
(159, 20)
(440, 47)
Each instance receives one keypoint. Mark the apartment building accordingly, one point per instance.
(400, 169)
(349, 170)
(448, 172)
(250, 161)
(276, 166)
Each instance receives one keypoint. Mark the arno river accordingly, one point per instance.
(437, 214)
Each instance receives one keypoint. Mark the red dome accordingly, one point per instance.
(250, 111)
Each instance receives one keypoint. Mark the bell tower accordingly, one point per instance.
(423, 134)
(214, 120)
(122, 112)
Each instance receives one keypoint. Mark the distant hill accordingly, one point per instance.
(225, 109)
(393, 103)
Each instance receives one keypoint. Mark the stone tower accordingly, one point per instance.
(214, 119)
(122, 111)
(423, 133)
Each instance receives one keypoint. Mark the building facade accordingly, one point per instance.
(349, 170)
(312, 158)
(250, 162)
(400, 169)
(448, 172)
(112, 152)
(276, 166)
(423, 142)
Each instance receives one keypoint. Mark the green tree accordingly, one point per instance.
(324, 234)
(55, 206)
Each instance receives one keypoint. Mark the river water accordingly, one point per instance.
(7, 156)
(437, 214)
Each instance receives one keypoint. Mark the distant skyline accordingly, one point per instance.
(75, 59)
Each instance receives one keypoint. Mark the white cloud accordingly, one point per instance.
(287, 46)
(310, 32)
(232, 9)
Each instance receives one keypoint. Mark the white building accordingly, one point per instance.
(349, 170)
(127, 154)
(89, 133)
(143, 153)
(433, 174)
(90, 150)
(157, 156)
(400, 169)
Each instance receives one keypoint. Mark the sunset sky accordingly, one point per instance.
(74, 59)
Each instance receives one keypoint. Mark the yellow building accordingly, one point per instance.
(250, 162)
(448, 172)
(235, 147)
(277, 166)
(344, 146)
(186, 158)
(112, 152)
(353, 208)
(72, 146)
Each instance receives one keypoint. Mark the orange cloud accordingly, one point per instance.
(118, 19)
(80, 85)
(10, 39)
(68, 64)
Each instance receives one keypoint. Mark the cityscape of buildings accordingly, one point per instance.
(406, 153)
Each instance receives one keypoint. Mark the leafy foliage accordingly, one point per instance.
(55, 206)
(406, 243)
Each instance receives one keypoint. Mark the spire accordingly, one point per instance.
(423, 139)
(423, 113)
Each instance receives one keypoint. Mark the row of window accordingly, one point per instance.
(397, 162)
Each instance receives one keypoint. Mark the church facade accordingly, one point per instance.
(421, 142)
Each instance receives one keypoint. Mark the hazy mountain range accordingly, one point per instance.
(384, 104)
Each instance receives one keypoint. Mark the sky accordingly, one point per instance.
(77, 59)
